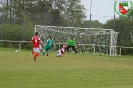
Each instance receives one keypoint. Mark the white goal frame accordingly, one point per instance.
(95, 37)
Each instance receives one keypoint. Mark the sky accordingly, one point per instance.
(101, 10)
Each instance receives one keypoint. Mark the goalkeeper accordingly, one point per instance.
(71, 43)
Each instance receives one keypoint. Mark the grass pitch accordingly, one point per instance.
(69, 71)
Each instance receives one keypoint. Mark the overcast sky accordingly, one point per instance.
(101, 10)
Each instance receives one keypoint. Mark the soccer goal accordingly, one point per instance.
(93, 40)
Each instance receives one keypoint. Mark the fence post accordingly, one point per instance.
(94, 49)
(120, 51)
(19, 46)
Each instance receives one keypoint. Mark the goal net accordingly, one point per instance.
(95, 40)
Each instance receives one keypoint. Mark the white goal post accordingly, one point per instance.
(98, 39)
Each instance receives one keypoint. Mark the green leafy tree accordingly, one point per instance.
(94, 24)
(123, 25)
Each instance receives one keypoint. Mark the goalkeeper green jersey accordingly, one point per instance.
(71, 42)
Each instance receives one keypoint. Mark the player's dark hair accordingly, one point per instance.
(61, 46)
(36, 33)
(50, 37)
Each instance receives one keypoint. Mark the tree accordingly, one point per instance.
(124, 25)
(95, 24)
(63, 12)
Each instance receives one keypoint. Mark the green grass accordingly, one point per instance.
(69, 71)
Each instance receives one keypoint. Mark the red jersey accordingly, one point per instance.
(36, 41)
(63, 49)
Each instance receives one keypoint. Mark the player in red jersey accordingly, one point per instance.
(61, 51)
(36, 45)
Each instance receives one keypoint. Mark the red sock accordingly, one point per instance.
(36, 54)
(32, 51)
